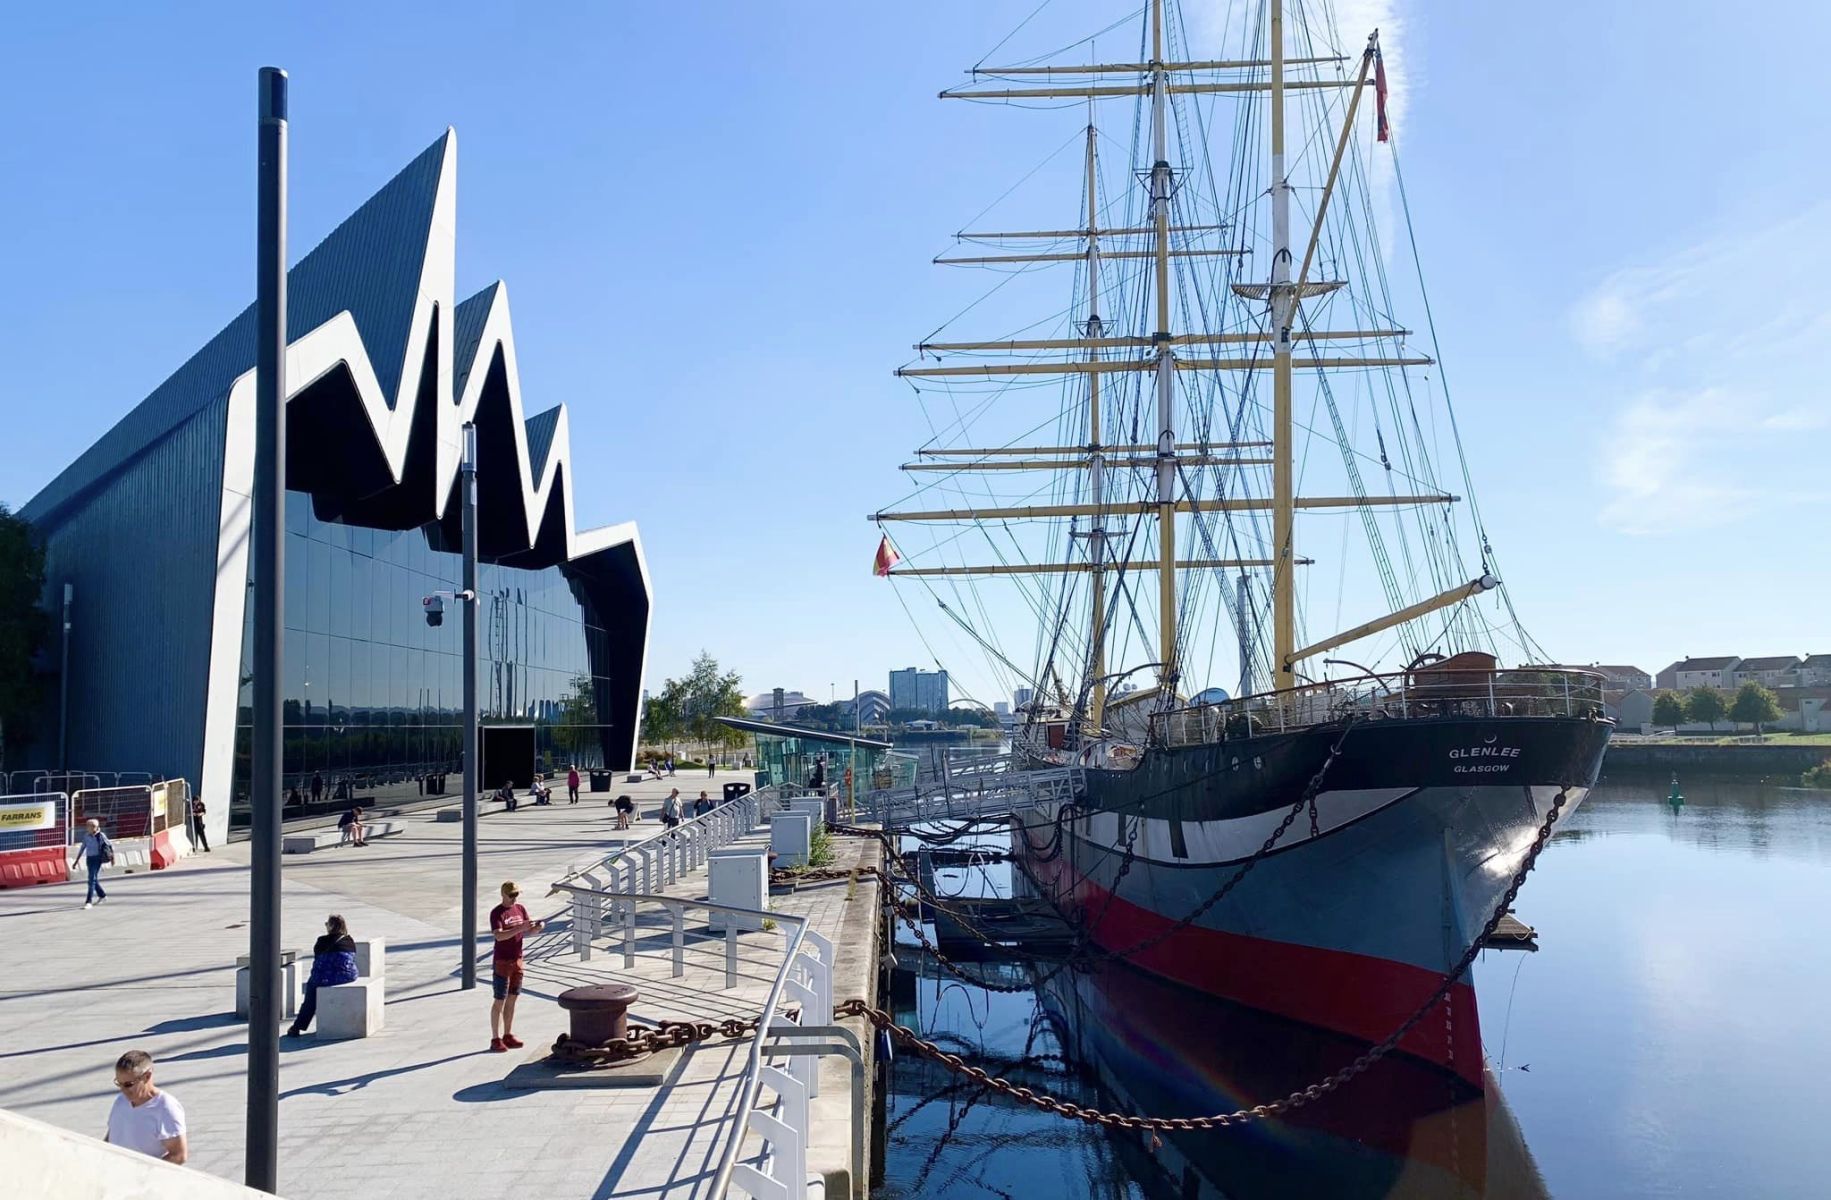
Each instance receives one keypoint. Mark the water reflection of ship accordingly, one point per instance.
(1401, 1129)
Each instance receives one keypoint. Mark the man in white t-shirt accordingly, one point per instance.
(143, 1117)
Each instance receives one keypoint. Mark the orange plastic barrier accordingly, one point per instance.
(47, 864)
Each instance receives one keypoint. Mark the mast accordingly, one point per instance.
(1096, 466)
(1166, 365)
(1283, 303)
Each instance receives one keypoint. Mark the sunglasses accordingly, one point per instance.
(137, 1079)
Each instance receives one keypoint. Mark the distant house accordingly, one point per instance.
(1699, 672)
(1815, 671)
(1632, 708)
(1779, 670)
(1804, 709)
(1626, 676)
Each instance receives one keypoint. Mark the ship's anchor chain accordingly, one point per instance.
(1308, 798)
(638, 1043)
(908, 1037)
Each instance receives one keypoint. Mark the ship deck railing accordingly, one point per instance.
(1401, 695)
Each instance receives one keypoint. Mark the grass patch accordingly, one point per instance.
(822, 851)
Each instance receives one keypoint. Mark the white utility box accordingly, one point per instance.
(791, 836)
(739, 878)
(814, 806)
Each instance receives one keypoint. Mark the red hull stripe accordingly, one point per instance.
(1355, 994)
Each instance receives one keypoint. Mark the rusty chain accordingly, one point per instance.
(887, 1023)
(665, 1035)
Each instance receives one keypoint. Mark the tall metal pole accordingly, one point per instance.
(63, 687)
(1161, 185)
(1096, 460)
(467, 491)
(1283, 312)
(268, 566)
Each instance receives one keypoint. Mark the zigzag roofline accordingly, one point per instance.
(429, 197)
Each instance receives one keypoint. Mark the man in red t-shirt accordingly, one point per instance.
(509, 924)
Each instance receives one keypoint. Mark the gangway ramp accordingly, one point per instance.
(994, 788)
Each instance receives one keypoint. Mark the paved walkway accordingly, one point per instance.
(418, 1110)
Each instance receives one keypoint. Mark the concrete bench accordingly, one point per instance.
(291, 985)
(324, 839)
(372, 958)
(350, 1010)
(448, 814)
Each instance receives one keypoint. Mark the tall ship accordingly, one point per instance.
(1189, 437)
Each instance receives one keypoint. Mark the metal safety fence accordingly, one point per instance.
(140, 810)
(34, 820)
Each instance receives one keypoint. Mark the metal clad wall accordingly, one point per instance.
(142, 554)
(369, 265)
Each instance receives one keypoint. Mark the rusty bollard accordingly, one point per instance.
(600, 1013)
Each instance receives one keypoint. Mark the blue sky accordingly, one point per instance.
(715, 221)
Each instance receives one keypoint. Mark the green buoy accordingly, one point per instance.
(1675, 797)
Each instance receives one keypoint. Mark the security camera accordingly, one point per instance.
(435, 610)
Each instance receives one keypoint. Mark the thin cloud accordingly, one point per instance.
(1714, 346)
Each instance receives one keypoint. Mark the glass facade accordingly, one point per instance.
(373, 696)
(790, 757)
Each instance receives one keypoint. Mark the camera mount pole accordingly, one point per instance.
(467, 491)
(267, 571)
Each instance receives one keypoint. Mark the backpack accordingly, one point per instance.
(107, 849)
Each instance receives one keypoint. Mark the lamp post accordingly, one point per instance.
(267, 566)
(467, 491)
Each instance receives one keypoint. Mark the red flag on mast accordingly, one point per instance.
(1379, 95)
(887, 557)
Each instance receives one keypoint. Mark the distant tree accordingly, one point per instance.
(662, 719)
(1706, 705)
(687, 709)
(23, 624)
(1668, 709)
(1754, 705)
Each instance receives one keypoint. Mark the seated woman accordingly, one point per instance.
(351, 824)
(333, 962)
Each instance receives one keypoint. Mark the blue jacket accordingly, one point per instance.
(333, 961)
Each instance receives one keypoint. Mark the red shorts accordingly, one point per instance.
(507, 981)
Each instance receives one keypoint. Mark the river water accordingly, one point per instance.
(1667, 1039)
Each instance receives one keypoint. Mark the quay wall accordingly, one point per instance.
(1771, 759)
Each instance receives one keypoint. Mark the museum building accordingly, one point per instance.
(150, 528)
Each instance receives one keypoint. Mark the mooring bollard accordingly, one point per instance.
(600, 1013)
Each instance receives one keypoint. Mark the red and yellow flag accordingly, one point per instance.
(887, 557)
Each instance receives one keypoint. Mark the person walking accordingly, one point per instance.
(317, 787)
(703, 805)
(333, 962)
(199, 834)
(509, 923)
(670, 766)
(572, 784)
(670, 809)
(95, 849)
(711, 766)
(145, 1118)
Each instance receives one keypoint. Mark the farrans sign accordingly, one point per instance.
(15, 818)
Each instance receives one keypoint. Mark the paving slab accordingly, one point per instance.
(421, 1109)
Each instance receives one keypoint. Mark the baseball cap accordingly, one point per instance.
(510, 888)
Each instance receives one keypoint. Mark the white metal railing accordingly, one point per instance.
(659, 859)
(784, 1056)
(607, 900)
(1405, 695)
